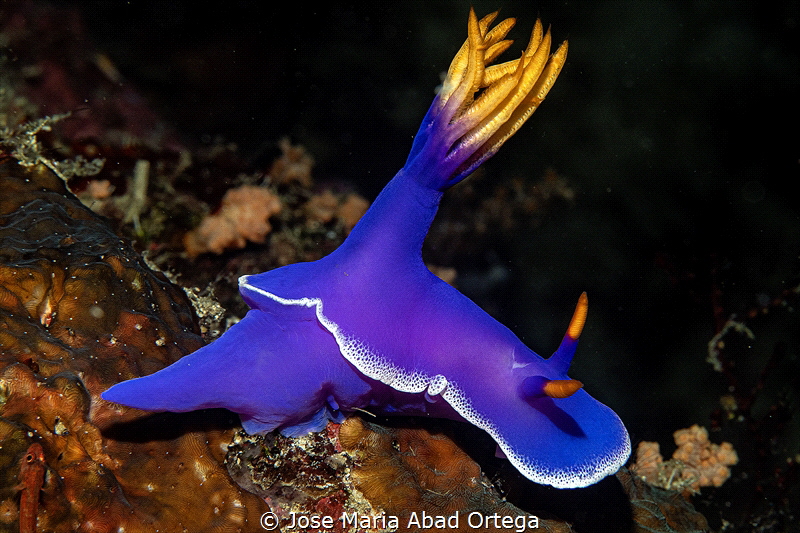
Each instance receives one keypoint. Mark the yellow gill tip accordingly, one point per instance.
(478, 122)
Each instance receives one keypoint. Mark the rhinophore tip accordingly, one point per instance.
(562, 357)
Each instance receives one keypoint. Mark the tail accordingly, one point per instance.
(180, 387)
(220, 374)
(481, 106)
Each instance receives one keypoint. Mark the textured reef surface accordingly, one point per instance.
(78, 310)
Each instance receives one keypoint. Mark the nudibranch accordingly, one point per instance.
(370, 327)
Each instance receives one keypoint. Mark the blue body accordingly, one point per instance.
(370, 327)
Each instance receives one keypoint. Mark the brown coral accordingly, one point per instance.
(306, 476)
(659, 511)
(411, 470)
(321, 208)
(696, 462)
(102, 484)
(351, 209)
(243, 216)
(294, 164)
(324, 207)
(80, 311)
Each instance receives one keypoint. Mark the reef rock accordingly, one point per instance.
(80, 311)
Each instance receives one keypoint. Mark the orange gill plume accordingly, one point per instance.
(479, 122)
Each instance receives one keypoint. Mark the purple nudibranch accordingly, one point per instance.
(370, 327)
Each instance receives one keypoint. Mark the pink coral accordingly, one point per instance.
(707, 463)
(243, 216)
(321, 208)
(648, 461)
(696, 463)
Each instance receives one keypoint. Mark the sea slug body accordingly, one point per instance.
(370, 327)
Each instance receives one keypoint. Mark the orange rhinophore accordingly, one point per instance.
(579, 317)
(561, 388)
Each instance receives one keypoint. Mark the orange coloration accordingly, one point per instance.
(696, 463)
(485, 105)
(404, 470)
(579, 317)
(31, 478)
(294, 165)
(648, 459)
(562, 388)
(321, 208)
(325, 207)
(708, 463)
(351, 209)
(78, 314)
(243, 216)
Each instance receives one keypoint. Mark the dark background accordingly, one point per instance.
(675, 122)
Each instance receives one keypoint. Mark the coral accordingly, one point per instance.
(22, 143)
(294, 164)
(413, 470)
(656, 510)
(243, 216)
(58, 265)
(351, 209)
(446, 274)
(103, 484)
(324, 207)
(307, 475)
(696, 463)
(373, 472)
(648, 460)
(706, 462)
(97, 190)
(321, 208)
(79, 311)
